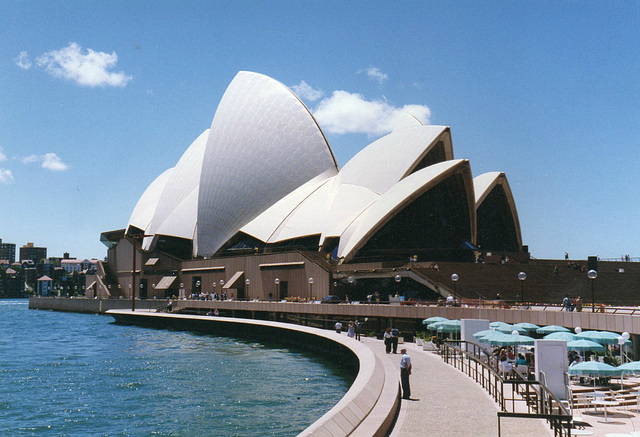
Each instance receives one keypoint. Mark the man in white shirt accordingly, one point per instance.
(339, 327)
(405, 371)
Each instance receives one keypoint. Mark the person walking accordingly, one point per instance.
(387, 340)
(358, 329)
(405, 371)
(395, 334)
(339, 327)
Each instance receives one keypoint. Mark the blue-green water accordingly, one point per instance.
(65, 374)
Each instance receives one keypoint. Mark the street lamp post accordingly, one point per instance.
(625, 336)
(277, 282)
(455, 278)
(247, 282)
(522, 276)
(592, 274)
(621, 341)
(311, 287)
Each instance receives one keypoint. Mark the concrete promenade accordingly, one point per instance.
(447, 403)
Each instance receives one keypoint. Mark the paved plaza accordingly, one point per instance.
(447, 403)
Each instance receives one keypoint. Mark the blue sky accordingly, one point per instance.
(98, 98)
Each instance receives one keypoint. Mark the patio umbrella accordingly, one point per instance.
(593, 369)
(433, 326)
(508, 329)
(551, 329)
(502, 339)
(497, 323)
(567, 336)
(484, 333)
(584, 345)
(449, 326)
(602, 337)
(526, 326)
(632, 368)
(434, 319)
(490, 337)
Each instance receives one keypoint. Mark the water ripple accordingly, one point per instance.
(81, 375)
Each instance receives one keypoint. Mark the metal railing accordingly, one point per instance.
(516, 396)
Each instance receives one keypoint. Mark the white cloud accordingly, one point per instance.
(375, 74)
(6, 177)
(306, 92)
(344, 113)
(88, 69)
(3, 157)
(50, 161)
(23, 61)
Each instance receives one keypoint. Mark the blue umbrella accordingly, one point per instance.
(594, 369)
(496, 324)
(567, 336)
(551, 329)
(434, 319)
(585, 345)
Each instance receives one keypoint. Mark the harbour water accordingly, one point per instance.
(66, 374)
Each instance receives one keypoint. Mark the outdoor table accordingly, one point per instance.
(605, 404)
(595, 396)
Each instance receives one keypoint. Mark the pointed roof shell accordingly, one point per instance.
(263, 144)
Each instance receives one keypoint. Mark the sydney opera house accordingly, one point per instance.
(257, 207)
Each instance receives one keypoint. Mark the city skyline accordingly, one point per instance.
(95, 108)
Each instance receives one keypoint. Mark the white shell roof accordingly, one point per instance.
(263, 145)
(177, 208)
(331, 208)
(145, 208)
(396, 198)
(265, 168)
(386, 161)
(485, 183)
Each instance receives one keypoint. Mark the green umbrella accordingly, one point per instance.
(508, 329)
(632, 368)
(434, 319)
(484, 333)
(490, 337)
(449, 326)
(551, 329)
(512, 340)
(585, 345)
(433, 326)
(602, 337)
(496, 324)
(526, 326)
(594, 369)
(567, 336)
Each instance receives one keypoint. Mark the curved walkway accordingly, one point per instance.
(447, 403)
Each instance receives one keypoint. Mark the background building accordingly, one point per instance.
(30, 252)
(8, 251)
